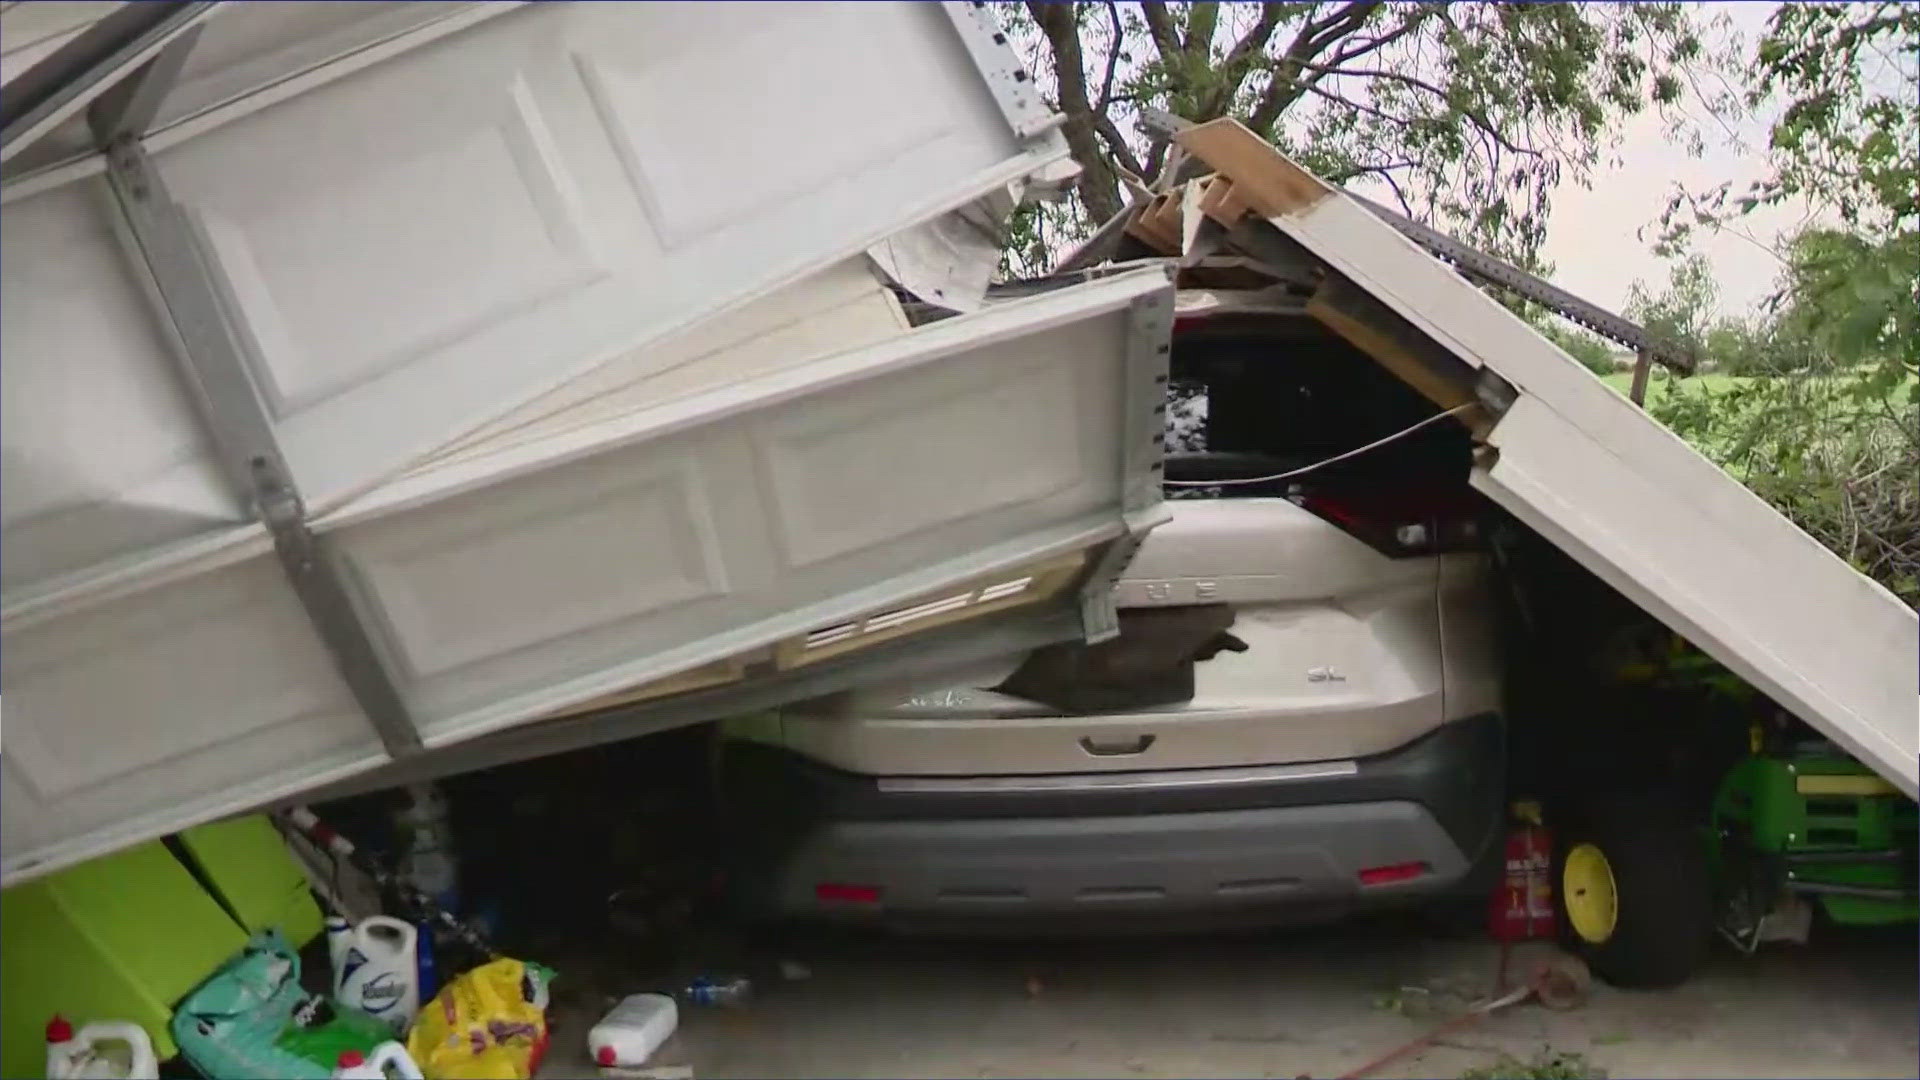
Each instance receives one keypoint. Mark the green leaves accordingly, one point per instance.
(1825, 422)
(1835, 451)
(1468, 113)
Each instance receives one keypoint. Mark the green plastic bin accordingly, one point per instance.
(125, 936)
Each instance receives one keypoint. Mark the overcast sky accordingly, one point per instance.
(1591, 235)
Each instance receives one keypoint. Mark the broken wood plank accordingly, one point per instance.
(1222, 202)
(1166, 216)
(1265, 180)
(1145, 227)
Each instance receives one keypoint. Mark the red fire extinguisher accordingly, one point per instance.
(1522, 907)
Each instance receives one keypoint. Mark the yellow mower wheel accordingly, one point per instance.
(1592, 902)
(1633, 889)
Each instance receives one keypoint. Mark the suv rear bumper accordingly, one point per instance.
(1273, 850)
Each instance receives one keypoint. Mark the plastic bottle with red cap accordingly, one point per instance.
(384, 1062)
(636, 1027)
(104, 1050)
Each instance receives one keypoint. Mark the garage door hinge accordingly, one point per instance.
(318, 580)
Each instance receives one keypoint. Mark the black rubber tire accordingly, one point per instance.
(1662, 883)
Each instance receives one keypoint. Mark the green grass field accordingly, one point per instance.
(1716, 441)
(1661, 384)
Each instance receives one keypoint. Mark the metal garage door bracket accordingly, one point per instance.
(1149, 348)
(1010, 82)
(214, 359)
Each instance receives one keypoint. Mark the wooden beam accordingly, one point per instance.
(1262, 177)
(1166, 216)
(1221, 202)
(1396, 345)
(1146, 228)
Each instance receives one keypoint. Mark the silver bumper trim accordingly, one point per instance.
(1119, 781)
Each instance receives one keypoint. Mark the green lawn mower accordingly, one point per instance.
(1648, 872)
(1812, 828)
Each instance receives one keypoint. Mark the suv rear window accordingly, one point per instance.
(1248, 400)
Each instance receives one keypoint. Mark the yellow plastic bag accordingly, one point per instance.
(488, 1024)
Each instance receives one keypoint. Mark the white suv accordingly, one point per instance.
(1301, 715)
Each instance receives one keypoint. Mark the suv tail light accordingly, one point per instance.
(1388, 875)
(1399, 522)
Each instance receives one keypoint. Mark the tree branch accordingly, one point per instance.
(1385, 172)
(1117, 143)
(1286, 86)
(1479, 118)
(1311, 87)
(1337, 25)
(1240, 59)
(1255, 39)
(1098, 187)
(1159, 25)
(1202, 19)
(1374, 44)
(1113, 60)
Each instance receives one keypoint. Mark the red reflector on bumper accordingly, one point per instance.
(836, 893)
(1387, 875)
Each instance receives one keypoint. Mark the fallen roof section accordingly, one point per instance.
(1606, 483)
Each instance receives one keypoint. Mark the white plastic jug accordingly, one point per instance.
(107, 1050)
(384, 1062)
(376, 967)
(633, 1030)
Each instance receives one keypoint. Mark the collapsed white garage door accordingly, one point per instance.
(385, 378)
(1613, 488)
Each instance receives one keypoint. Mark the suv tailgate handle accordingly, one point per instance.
(1117, 747)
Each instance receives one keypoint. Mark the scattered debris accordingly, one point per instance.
(1439, 997)
(1611, 1038)
(1430, 1038)
(1546, 1065)
(1405, 1001)
(1561, 982)
(731, 992)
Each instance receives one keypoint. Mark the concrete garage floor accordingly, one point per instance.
(1285, 1004)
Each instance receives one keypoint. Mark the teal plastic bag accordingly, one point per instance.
(251, 1019)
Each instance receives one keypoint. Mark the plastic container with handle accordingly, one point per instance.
(636, 1027)
(107, 1050)
(376, 967)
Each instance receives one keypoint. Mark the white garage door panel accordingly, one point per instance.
(516, 584)
(862, 470)
(844, 307)
(20, 816)
(103, 453)
(249, 44)
(637, 562)
(626, 537)
(1792, 635)
(175, 701)
(420, 247)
